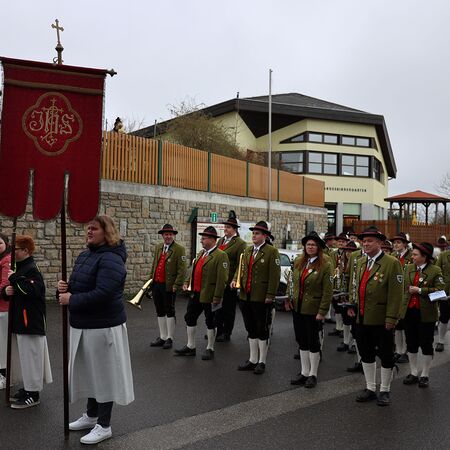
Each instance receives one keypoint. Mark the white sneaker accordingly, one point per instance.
(97, 434)
(83, 423)
(2, 382)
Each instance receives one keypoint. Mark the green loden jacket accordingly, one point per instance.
(265, 274)
(214, 275)
(318, 288)
(430, 280)
(443, 262)
(234, 249)
(407, 258)
(175, 265)
(384, 290)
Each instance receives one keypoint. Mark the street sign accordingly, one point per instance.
(213, 217)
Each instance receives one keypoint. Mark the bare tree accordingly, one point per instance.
(444, 186)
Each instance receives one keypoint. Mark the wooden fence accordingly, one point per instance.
(147, 161)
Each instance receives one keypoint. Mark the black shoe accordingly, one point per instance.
(329, 321)
(18, 395)
(352, 350)
(403, 359)
(168, 344)
(158, 342)
(27, 401)
(208, 354)
(439, 347)
(311, 382)
(299, 380)
(356, 368)
(248, 365)
(366, 396)
(297, 355)
(223, 338)
(424, 382)
(185, 351)
(410, 379)
(259, 369)
(396, 356)
(342, 347)
(334, 333)
(383, 399)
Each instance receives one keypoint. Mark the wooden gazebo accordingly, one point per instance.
(408, 203)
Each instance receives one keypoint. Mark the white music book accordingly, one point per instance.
(438, 295)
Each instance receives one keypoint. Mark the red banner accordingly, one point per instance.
(51, 124)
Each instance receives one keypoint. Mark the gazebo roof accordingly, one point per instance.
(417, 197)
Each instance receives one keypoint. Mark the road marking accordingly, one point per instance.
(208, 425)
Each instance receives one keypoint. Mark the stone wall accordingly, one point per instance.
(141, 210)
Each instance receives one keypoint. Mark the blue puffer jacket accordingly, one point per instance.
(96, 285)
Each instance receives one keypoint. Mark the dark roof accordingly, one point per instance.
(288, 109)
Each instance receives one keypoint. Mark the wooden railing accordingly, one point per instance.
(147, 161)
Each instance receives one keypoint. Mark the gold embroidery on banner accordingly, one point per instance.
(52, 123)
(59, 87)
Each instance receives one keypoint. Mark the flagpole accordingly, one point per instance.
(269, 196)
(10, 318)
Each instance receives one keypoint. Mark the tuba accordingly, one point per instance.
(137, 299)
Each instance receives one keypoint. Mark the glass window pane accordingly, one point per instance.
(348, 140)
(315, 137)
(347, 159)
(348, 170)
(284, 260)
(315, 157)
(315, 168)
(299, 138)
(363, 142)
(362, 171)
(292, 157)
(330, 139)
(330, 158)
(330, 169)
(362, 161)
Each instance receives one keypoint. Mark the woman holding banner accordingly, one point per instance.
(99, 366)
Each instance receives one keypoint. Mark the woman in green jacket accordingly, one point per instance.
(313, 290)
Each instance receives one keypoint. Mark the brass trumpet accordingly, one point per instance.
(137, 299)
(189, 288)
(239, 274)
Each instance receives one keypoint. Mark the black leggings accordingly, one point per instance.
(307, 330)
(418, 333)
(195, 308)
(444, 311)
(376, 340)
(225, 316)
(164, 301)
(101, 410)
(257, 318)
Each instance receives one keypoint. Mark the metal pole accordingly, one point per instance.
(269, 197)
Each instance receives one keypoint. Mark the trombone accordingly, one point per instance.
(137, 299)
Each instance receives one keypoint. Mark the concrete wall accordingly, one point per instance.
(141, 210)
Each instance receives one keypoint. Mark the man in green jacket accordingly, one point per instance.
(260, 277)
(208, 280)
(378, 290)
(168, 272)
(233, 246)
(443, 262)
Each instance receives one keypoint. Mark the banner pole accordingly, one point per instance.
(64, 320)
(10, 319)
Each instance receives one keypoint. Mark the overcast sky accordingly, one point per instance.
(388, 57)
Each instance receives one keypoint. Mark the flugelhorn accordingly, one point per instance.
(239, 274)
(189, 288)
(137, 299)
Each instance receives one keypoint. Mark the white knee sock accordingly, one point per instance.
(347, 334)
(314, 359)
(358, 356)
(328, 314)
(306, 363)
(403, 342)
(426, 364)
(413, 363)
(370, 374)
(253, 344)
(398, 341)
(442, 329)
(386, 378)
(191, 336)
(170, 327)
(211, 338)
(339, 322)
(162, 324)
(263, 347)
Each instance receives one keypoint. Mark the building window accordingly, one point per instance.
(355, 141)
(355, 166)
(377, 170)
(292, 161)
(326, 138)
(322, 163)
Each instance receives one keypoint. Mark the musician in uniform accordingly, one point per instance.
(168, 272)
(378, 289)
(208, 280)
(443, 262)
(233, 246)
(260, 277)
(403, 253)
(313, 289)
(419, 312)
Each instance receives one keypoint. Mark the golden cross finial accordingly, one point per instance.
(59, 48)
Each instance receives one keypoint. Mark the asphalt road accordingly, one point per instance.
(193, 404)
